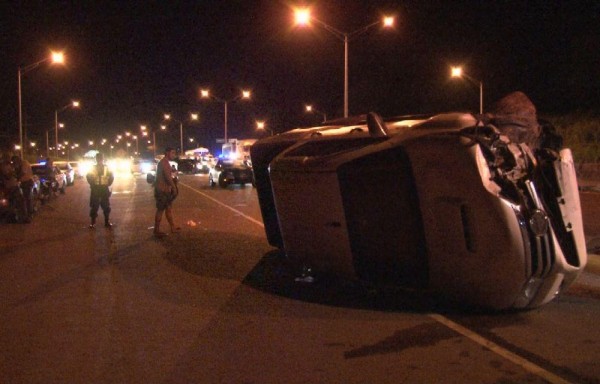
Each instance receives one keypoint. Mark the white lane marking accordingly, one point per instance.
(495, 348)
(516, 359)
(257, 222)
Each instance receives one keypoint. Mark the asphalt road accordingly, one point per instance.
(216, 304)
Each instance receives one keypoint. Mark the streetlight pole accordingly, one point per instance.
(205, 94)
(47, 144)
(225, 121)
(137, 145)
(303, 17)
(55, 57)
(154, 142)
(181, 136)
(74, 104)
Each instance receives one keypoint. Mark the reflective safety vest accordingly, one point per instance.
(103, 179)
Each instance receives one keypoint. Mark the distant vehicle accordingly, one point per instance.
(230, 171)
(142, 166)
(446, 204)
(84, 166)
(120, 166)
(189, 166)
(206, 162)
(237, 149)
(151, 176)
(68, 170)
(75, 166)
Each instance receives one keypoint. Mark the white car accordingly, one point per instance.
(68, 170)
(445, 204)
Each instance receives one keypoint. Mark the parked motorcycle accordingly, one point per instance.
(48, 189)
(12, 204)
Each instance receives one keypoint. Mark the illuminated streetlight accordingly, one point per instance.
(262, 126)
(137, 144)
(458, 72)
(205, 94)
(193, 117)
(303, 18)
(310, 109)
(72, 104)
(54, 58)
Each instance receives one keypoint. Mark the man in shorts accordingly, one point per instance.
(165, 192)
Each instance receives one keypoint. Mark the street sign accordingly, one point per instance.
(220, 141)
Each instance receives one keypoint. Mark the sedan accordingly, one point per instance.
(230, 171)
(445, 204)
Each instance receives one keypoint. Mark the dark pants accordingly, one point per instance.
(99, 197)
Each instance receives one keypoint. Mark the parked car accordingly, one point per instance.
(48, 186)
(230, 171)
(443, 204)
(68, 170)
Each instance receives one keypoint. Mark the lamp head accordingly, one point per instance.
(302, 16)
(57, 57)
(456, 72)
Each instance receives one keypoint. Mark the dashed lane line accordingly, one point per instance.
(257, 222)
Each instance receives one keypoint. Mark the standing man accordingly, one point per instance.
(100, 179)
(165, 191)
(25, 176)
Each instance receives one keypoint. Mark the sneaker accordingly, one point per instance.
(92, 226)
(108, 225)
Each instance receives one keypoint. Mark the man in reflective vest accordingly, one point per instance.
(100, 179)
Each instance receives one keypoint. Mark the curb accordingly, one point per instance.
(593, 264)
(589, 188)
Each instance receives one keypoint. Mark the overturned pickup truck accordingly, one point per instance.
(482, 210)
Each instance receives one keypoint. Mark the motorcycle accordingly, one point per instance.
(48, 189)
(12, 204)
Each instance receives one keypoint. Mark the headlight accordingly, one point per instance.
(84, 167)
(145, 167)
(124, 165)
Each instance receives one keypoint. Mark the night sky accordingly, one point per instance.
(129, 62)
